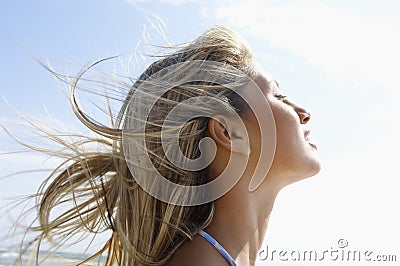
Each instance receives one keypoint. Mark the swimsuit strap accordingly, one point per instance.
(218, 247)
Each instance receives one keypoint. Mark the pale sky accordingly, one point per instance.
(338, 58)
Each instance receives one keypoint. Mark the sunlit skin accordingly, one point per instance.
(241, 217)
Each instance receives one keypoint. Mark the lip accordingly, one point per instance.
(313, 145)
(306, 134)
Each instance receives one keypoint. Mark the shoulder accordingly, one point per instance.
(196, 252)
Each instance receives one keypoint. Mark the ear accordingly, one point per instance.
(227, 135)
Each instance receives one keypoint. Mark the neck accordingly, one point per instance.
(240, 221)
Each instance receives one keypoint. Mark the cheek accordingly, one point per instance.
(287, 133)
(284, 122)
(288, 140)
(254, 135)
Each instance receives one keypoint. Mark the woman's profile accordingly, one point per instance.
(116, 189)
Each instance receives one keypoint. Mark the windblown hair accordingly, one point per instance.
(101, 187)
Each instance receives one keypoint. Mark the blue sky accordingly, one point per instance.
(337, 58)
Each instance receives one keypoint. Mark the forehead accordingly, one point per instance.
(265, 80)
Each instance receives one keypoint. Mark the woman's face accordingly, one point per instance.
(295, 157)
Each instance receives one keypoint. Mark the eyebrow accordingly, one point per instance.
(268, 84)
(276, 82)
(273, 88)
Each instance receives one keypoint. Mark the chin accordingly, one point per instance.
(310, 167)
(313, 168)
(285, 171)
(305, 170)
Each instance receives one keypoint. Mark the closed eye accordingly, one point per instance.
(280, 97)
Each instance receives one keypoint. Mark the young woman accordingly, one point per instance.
(117, 189)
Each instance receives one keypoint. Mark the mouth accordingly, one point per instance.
(307, 138)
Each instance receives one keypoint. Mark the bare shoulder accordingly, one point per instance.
(197, 252)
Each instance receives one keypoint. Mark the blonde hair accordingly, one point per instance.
(101, 187)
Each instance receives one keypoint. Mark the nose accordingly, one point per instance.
(304, 115)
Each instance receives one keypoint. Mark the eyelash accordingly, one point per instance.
(280, 97)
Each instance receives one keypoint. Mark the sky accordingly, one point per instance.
(340, 59)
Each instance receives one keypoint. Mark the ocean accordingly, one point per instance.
(9, 258)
